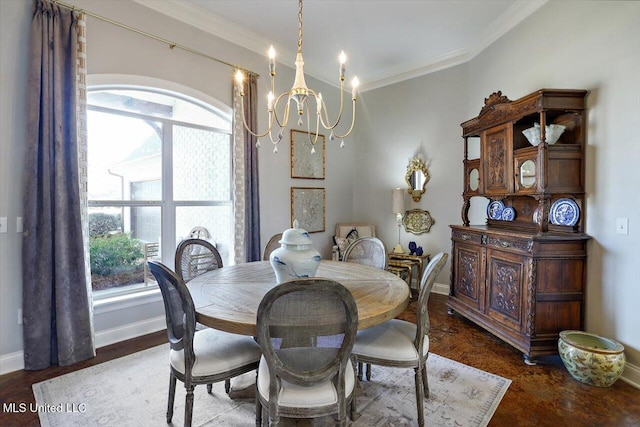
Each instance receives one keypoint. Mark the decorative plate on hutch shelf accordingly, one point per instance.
(494, 210)
(564, 212)
(508, 214)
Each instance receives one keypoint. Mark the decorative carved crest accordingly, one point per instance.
(494, 99)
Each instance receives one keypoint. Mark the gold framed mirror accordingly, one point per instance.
(416, 178)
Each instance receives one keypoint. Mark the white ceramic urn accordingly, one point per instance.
(296, 256)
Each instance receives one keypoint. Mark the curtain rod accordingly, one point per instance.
(160, 39)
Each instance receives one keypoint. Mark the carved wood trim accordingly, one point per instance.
(499, 109)
(531, 300)
(468, 237)
(465, 211)
(505, 289)
(495, 98)
(521, 245)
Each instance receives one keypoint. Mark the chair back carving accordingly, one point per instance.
(195, 257)
(368, 251)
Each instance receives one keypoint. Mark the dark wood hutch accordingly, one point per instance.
(523, 278)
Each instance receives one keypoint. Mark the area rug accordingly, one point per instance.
(132, 391)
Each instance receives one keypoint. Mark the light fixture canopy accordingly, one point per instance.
(301, 94)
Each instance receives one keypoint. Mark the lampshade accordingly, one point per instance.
(398, 200)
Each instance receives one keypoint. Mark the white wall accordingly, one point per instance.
(14, 32)
(591, 45)
(113, 50)
(416, 117)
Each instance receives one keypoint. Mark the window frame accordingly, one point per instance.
(168, 206)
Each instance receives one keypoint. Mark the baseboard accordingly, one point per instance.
(11, 362)
(133, 330)
(631, 375)
(440, 288)
(15, 361)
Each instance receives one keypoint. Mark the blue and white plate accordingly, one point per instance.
(494, 210)
(508, 213)
(564, 212)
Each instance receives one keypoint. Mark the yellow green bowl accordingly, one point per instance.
(590, 358)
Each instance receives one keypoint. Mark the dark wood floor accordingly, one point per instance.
(541, 395)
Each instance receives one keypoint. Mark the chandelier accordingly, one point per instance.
(301, 94)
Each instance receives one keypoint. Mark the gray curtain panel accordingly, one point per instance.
(57, 315)
(252, 189)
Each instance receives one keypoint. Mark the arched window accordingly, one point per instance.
(159, 166)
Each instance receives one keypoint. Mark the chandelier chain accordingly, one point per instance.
(299, 26)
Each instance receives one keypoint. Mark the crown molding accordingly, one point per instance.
(515, 14)
(211, 23)
(410, 71)
(207, 21)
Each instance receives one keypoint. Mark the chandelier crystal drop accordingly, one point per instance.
(302, 95)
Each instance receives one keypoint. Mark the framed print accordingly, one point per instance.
(304, 163)
(307, 206)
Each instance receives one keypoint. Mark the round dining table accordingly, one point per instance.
(228, 298)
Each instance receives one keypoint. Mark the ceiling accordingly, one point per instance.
(385, 41)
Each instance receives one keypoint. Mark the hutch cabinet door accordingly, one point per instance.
(497, 154)
(526, 171)
(468, 274)
(506, 285)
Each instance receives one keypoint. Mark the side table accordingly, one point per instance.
(411, 261)
(402, 269)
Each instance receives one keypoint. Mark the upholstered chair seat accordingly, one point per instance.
(401, 344)
(390, 341)
(198, 357)
(297, 396)
(217, 352)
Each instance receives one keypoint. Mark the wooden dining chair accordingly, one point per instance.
(402, 344)
(195, 257)
(367, 251)
(198, 357)
(272, 245)
(306, 330)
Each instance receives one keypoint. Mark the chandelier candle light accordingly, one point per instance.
(398, 209)
(301, 94)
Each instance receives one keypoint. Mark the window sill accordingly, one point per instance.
(119, 302)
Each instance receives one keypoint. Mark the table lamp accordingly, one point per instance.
(398, 209)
